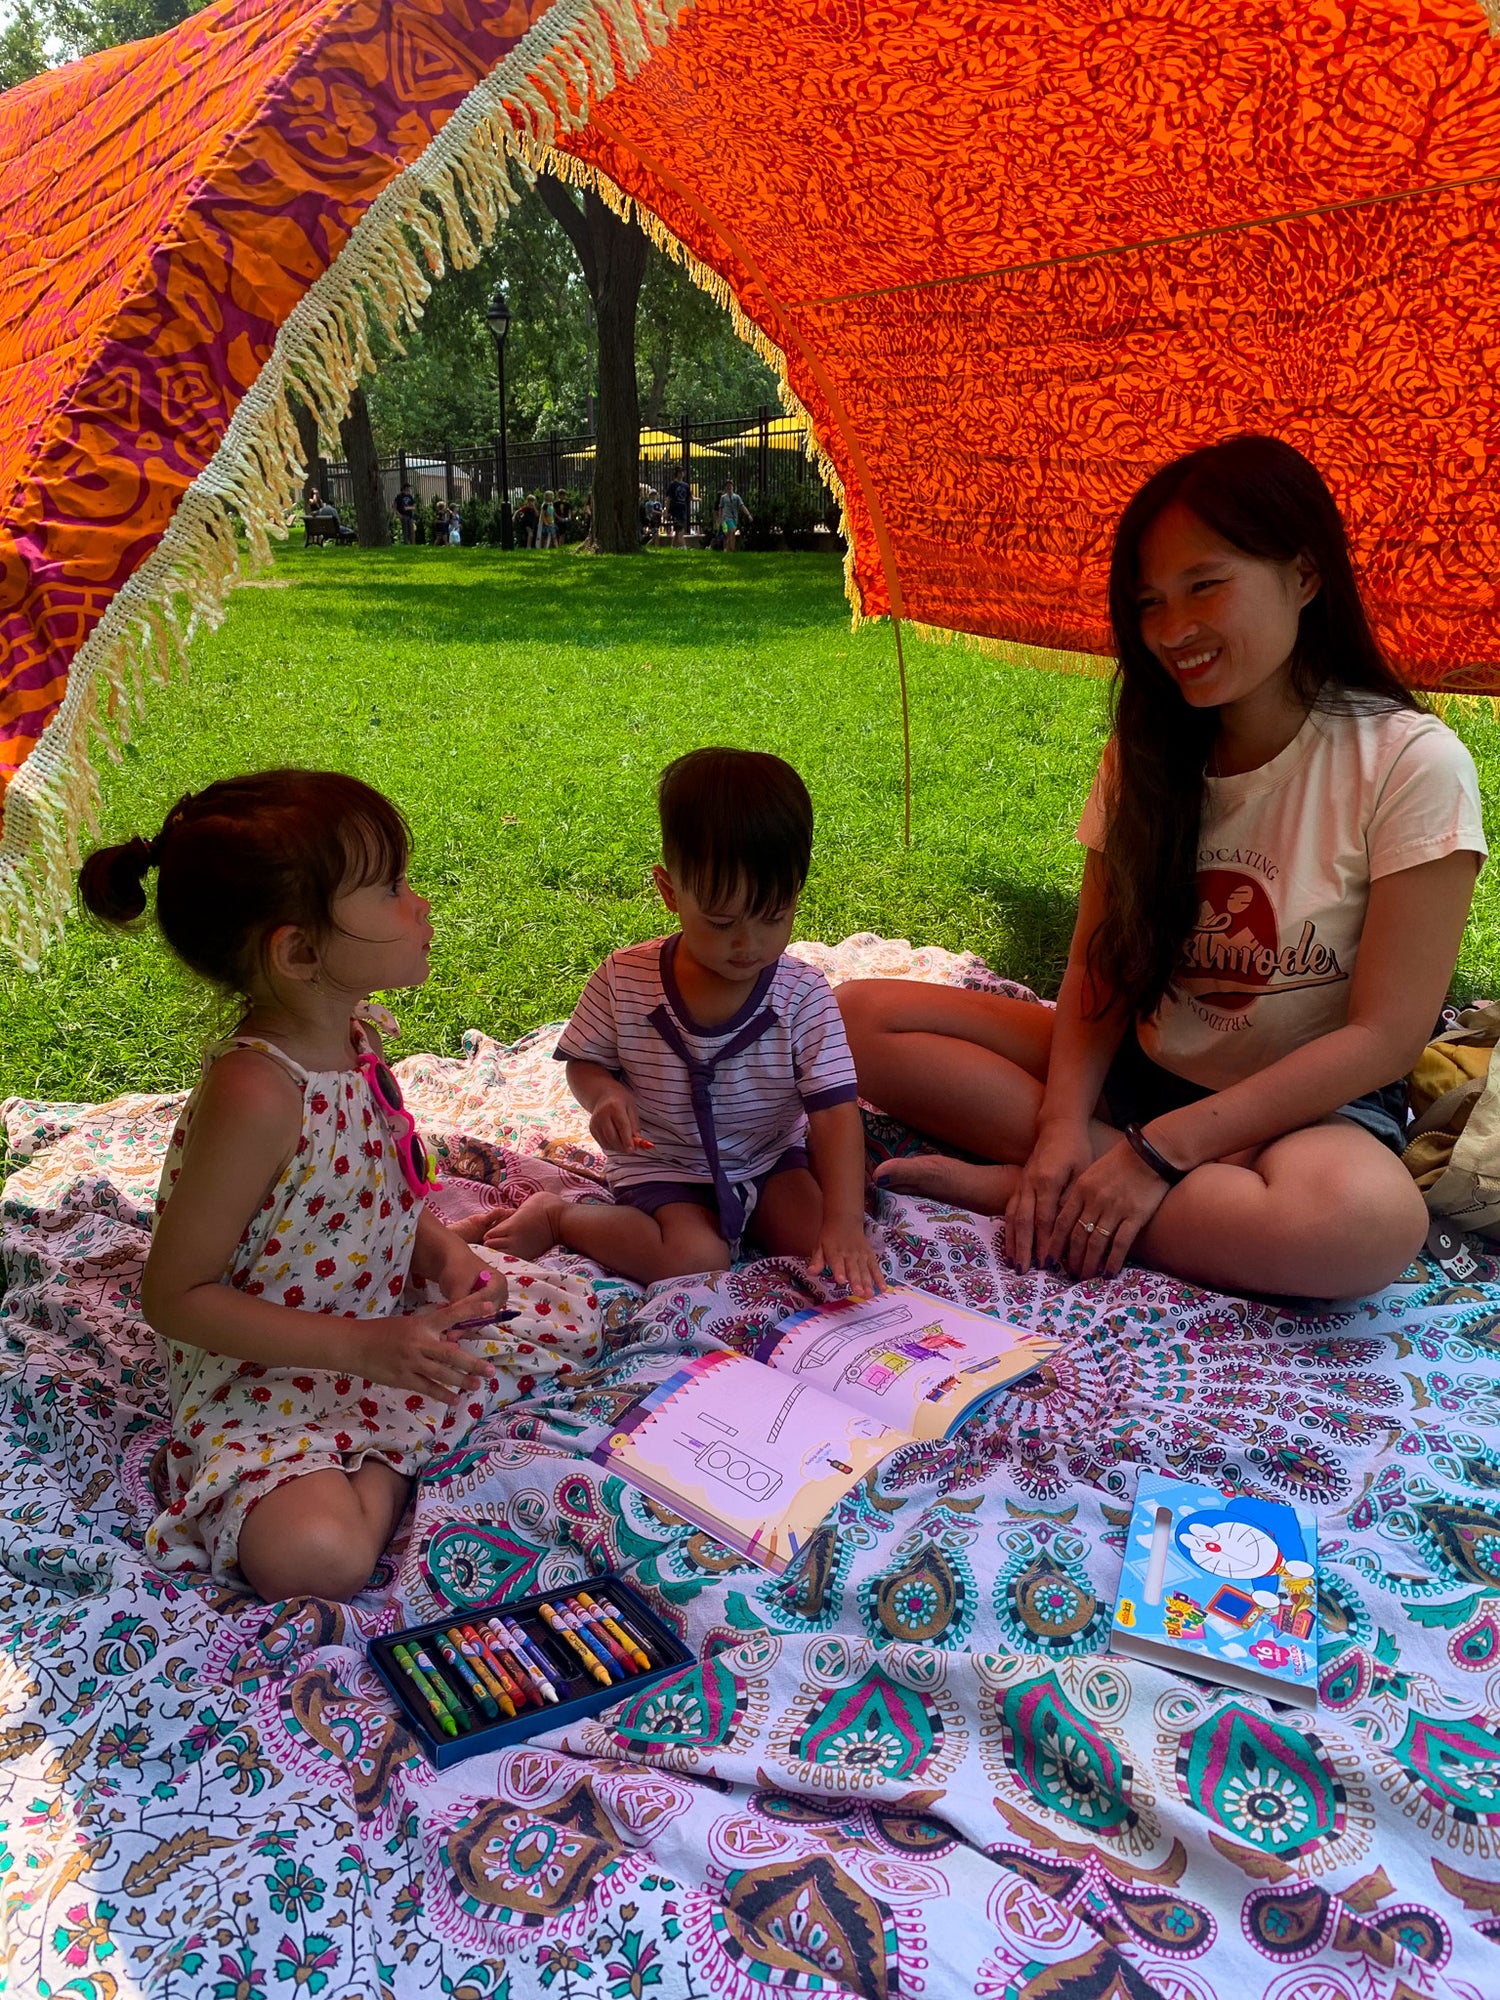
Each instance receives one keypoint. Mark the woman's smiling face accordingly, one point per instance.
(1221, 622)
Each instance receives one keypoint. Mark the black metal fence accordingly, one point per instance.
(761, 456)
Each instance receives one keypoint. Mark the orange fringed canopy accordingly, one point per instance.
(1008, 254)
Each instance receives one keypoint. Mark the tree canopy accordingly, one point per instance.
(688, 356)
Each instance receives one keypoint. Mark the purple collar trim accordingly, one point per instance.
(742, 1014)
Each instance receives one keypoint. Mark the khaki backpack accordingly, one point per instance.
(1453, 1148)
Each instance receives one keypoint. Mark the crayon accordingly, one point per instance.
(592, 1666)
(470, 1644)
(499, 1649)
(579, 1627)
(487, 1319)
(445, 1694)
(494, 1668)
(523, 1643)
(475, 1691)
(418, 1680)
(612, 1626)
(644, 1640)
(536, 1663)
(599, 1637)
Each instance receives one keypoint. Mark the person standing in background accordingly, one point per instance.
(679, 498)
(728, 514)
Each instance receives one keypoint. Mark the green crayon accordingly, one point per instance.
(449, 1697)
(419, 1681)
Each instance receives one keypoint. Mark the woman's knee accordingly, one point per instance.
(868, 1006)
(1358, 1229)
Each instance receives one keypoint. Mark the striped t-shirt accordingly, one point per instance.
(760, 1096)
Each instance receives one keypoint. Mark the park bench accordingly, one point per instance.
(318, 528)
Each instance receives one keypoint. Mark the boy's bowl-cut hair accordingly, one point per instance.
(736, 820)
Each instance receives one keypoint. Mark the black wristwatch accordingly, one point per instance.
(1159, 1164)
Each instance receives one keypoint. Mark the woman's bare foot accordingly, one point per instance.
(530, 1231)
(971, 1184)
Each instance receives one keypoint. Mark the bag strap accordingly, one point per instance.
(1435, 1117)
(1476, 1025)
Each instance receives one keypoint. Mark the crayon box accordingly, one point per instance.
(580, 1689)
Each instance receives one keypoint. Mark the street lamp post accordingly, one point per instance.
(497, 319)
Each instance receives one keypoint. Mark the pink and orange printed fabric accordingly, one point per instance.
(1018, 253)
(163, 207)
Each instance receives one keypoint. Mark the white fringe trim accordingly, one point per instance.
(546, 86)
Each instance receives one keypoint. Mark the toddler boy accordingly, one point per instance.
(713, 1066)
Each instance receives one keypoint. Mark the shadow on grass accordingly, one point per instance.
(1038, 923)
(470, 594)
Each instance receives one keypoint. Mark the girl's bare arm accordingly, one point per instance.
(245, 1128)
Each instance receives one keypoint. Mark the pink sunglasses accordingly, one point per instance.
(410, 1148)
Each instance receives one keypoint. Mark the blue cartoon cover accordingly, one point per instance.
(1223, 1586)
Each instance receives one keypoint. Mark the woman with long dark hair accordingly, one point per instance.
(1282, 848)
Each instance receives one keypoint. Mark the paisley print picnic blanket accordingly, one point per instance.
(908, 1767)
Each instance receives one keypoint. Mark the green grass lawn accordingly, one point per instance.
(519, 709)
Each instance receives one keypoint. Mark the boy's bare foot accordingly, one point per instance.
(968, 1184)
(530, 1231)
(474, 1228)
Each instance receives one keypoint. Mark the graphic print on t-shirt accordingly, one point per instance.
(1235, 954)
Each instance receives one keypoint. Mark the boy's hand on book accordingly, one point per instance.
(419, 1351)
(615, 1122)
(848, 1256)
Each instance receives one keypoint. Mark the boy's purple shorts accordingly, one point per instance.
(649, 1196)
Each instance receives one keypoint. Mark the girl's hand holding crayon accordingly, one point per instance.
(419, 1351)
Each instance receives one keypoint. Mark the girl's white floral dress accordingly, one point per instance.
(334, 1235)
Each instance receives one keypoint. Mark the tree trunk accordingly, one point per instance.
(372, 518)
(307, 437)
(612, 255)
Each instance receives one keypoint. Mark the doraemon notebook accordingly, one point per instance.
(1223, 1586)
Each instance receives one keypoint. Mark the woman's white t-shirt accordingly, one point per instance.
(1286, 857)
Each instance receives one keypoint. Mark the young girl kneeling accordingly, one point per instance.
(309, 1383)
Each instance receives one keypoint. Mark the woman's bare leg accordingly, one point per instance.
(322, 1534)
(1327, 1213)
(966, 1069)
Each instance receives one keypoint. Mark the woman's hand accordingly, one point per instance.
(1060, 1155)
(1118, 1194)
(419, 1351)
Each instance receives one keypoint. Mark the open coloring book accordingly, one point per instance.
(1223, 1586)
(757, 1449)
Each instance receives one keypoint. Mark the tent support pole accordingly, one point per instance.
(905, 728)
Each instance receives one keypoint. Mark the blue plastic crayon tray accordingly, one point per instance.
(578, 1695)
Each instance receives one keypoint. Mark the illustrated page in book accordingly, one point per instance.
(755, 1459)
(905, 1356)
(1221, 1586)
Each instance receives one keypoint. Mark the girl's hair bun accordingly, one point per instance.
(112, 882)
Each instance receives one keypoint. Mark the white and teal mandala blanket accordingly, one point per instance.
(909, 1768)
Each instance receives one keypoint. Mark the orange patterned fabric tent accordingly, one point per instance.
(1007, 254)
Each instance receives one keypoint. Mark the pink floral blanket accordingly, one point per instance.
(910, 1767)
